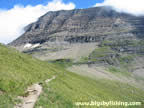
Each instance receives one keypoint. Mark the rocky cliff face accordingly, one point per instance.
(91, 36)
(82, 26)
(61, 31)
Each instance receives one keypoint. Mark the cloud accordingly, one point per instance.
(13, 21)
(135, 7)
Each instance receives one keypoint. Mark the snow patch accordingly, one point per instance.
(35, 45)
(28, 45)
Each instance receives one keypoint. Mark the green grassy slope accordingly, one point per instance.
(17, 72)
(69, 88)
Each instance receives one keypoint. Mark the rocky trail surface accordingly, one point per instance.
(33, 92)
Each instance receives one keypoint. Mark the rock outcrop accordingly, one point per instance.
(82, 26)
(66, 34)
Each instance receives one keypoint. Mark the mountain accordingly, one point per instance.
(82, 26)
(95, 54)
(93, 35)
(92, 25)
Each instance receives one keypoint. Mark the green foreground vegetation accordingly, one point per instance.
(69, 88)
(18, 71)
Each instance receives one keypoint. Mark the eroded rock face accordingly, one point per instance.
(91, 36)
(82, 26)
(67, 34)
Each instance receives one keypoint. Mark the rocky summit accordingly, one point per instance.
(77, 33)
(82, 26)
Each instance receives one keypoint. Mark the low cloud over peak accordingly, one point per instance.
(14, 20)
(134, 7)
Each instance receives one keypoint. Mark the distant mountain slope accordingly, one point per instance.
(82, 25)
(54, 31)
(86, 33)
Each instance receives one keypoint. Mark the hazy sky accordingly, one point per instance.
(16, 14)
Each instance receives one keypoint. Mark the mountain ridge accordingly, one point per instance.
(90, 51)
(85, 33)
(67, 24)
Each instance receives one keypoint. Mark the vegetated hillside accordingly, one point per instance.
(18, 71)
(70, 88)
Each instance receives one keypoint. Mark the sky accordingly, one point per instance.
(8, 4)
(16, 14)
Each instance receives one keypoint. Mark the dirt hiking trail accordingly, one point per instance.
(33, 92)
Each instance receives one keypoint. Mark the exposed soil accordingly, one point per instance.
(33, 92)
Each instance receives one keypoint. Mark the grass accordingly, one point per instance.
(101, 52)
(17, 72)
(117, 63)
(132, 43)
(125, 66)
(63, 62)
(69, 88)
(123, 71)
(99, 55)
(122, 45)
